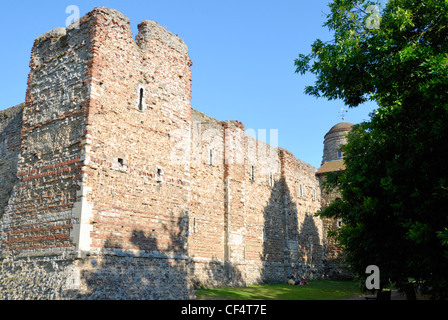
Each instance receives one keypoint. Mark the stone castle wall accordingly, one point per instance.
(115, 188)
(334, 254)
(41, 219)
(10, 126)
(252, 206)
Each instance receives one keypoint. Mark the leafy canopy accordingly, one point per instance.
(395, 187)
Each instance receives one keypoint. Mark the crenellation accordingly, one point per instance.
(113, 187)
(152, 31)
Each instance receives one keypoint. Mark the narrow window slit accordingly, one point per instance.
(140, 103)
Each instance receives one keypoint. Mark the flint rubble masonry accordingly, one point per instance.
(113, 187)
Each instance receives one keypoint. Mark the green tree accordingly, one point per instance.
(395, 187)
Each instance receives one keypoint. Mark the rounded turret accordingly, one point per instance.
(334, 139)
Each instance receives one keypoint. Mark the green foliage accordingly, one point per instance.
(394, 189)
(60, 55)
(3, 115)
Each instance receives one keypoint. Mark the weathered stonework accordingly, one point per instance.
(113, 187)
(10, 126)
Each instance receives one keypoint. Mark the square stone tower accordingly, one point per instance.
(114, 188)
(97, 127)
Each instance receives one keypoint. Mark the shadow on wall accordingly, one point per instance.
(289, 248)
(157, 273)
(311, 250)
(275, 234)
(151, 274)
(214, 273)
(166, 272)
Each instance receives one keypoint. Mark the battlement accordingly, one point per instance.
(56, 32)
(109, 177)
(148, 30)
(9, 113)
(151, 30)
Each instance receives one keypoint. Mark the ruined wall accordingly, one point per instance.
(264, 208)
(117, 189)
(207, 213)
(305, 237)
(39, 215)
(248, 222)
(39, 236)
(97, 199)
(10, 126)
(139, 195)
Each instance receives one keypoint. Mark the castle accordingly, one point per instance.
(113, 187)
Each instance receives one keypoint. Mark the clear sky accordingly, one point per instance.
(243, 59)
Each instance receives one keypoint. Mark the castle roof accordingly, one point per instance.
(341, 126)
(331, 166)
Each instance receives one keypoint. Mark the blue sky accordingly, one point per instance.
(243, 59)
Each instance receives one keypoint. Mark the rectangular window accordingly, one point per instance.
(339, 154)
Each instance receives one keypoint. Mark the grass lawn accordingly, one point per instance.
(315, 290)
